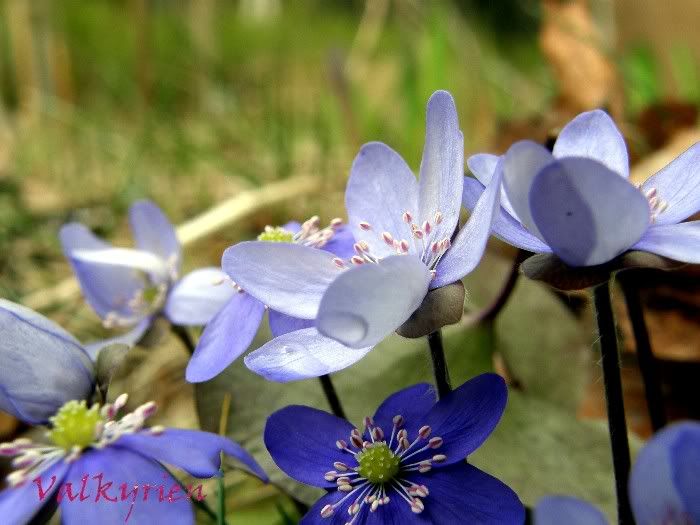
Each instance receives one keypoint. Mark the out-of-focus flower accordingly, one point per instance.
(663, 488)
(406, 466)
(405, 247)
(129, 287)
(46, 377)
(577, 200)
(232, 330)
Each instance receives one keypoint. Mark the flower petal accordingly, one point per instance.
(461, 493)
(594, 135)
(300, 355)
(380, 189)
(483, 166)
(587, 214)
(680, 242)
(286, 277)
(469, 245)
(678, 184)
(442, 166)
(342, 242)
(226, 337)
(40, 368)
(107, 503)
(20, 504)
(106, 288)
(368, 302)
(301, 441)
(521, 164)
(466, 416)
(413, 403)
(504, 226)
(665, 477)
(153, 232)
(198, 297)
(555, 510)
(281, 324)
(129, 338)
(124, 257)
(194, 451)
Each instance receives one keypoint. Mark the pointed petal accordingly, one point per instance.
(467, 415)
(129, 338)
(462, 493)
(587, 214)
(680, 242)
(678, 184)
(106, 288)
(124, 257)
(110, 468)
(153, 232)
(521, 164)
(504, 226)
(300, 355)
(301, 441)
(413, 403)
(368, 302)
(286, 277)
(226, 337)
(555, 510)
(198, 297)
(665, 477)
(469, 245)
(442, 166)
(40, 368)
(380, 189)
(281, 324)
(20, 504)
(594, 135)
(194, 451)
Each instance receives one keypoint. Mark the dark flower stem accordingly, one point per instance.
(332, 396)
(184, 336)
(645, 355)
(490, 313)
(614, 399)
(437, 354)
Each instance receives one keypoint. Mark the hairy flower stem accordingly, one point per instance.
(332, 396)
(489, 314)
(184, 336)
(612, 380)
(645, 355)
(437, 354)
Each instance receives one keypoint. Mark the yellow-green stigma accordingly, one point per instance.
(276, 234)
(378, 463)
(75, 425)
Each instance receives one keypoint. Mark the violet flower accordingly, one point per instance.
(406, 466)
(663, 485)
(405, 247)
(578, 202)
(127, 287)
(46, 377)
(232, 330)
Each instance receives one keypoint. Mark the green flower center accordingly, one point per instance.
(74, 425)
(378, 463)
(276, 234)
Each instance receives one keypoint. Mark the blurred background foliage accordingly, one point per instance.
(189, 102)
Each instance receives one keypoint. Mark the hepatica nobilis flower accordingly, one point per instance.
(128, 287)
(578, 203)
(47, 378)
(408, 463)
(405, 247)
(664, 486)
(232, 330)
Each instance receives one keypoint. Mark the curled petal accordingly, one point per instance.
(483, 166)
(138, 260)
(198, 297)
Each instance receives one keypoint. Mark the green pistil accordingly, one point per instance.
(74, 425)
(150, 294)
(276, 234)
(378, 463)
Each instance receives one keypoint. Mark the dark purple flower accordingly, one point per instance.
(578, 202)
(664, 485)
(128, 287)
(407, 465)
(405, 247)
(47, 377)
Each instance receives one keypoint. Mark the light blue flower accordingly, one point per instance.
(578, 202)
